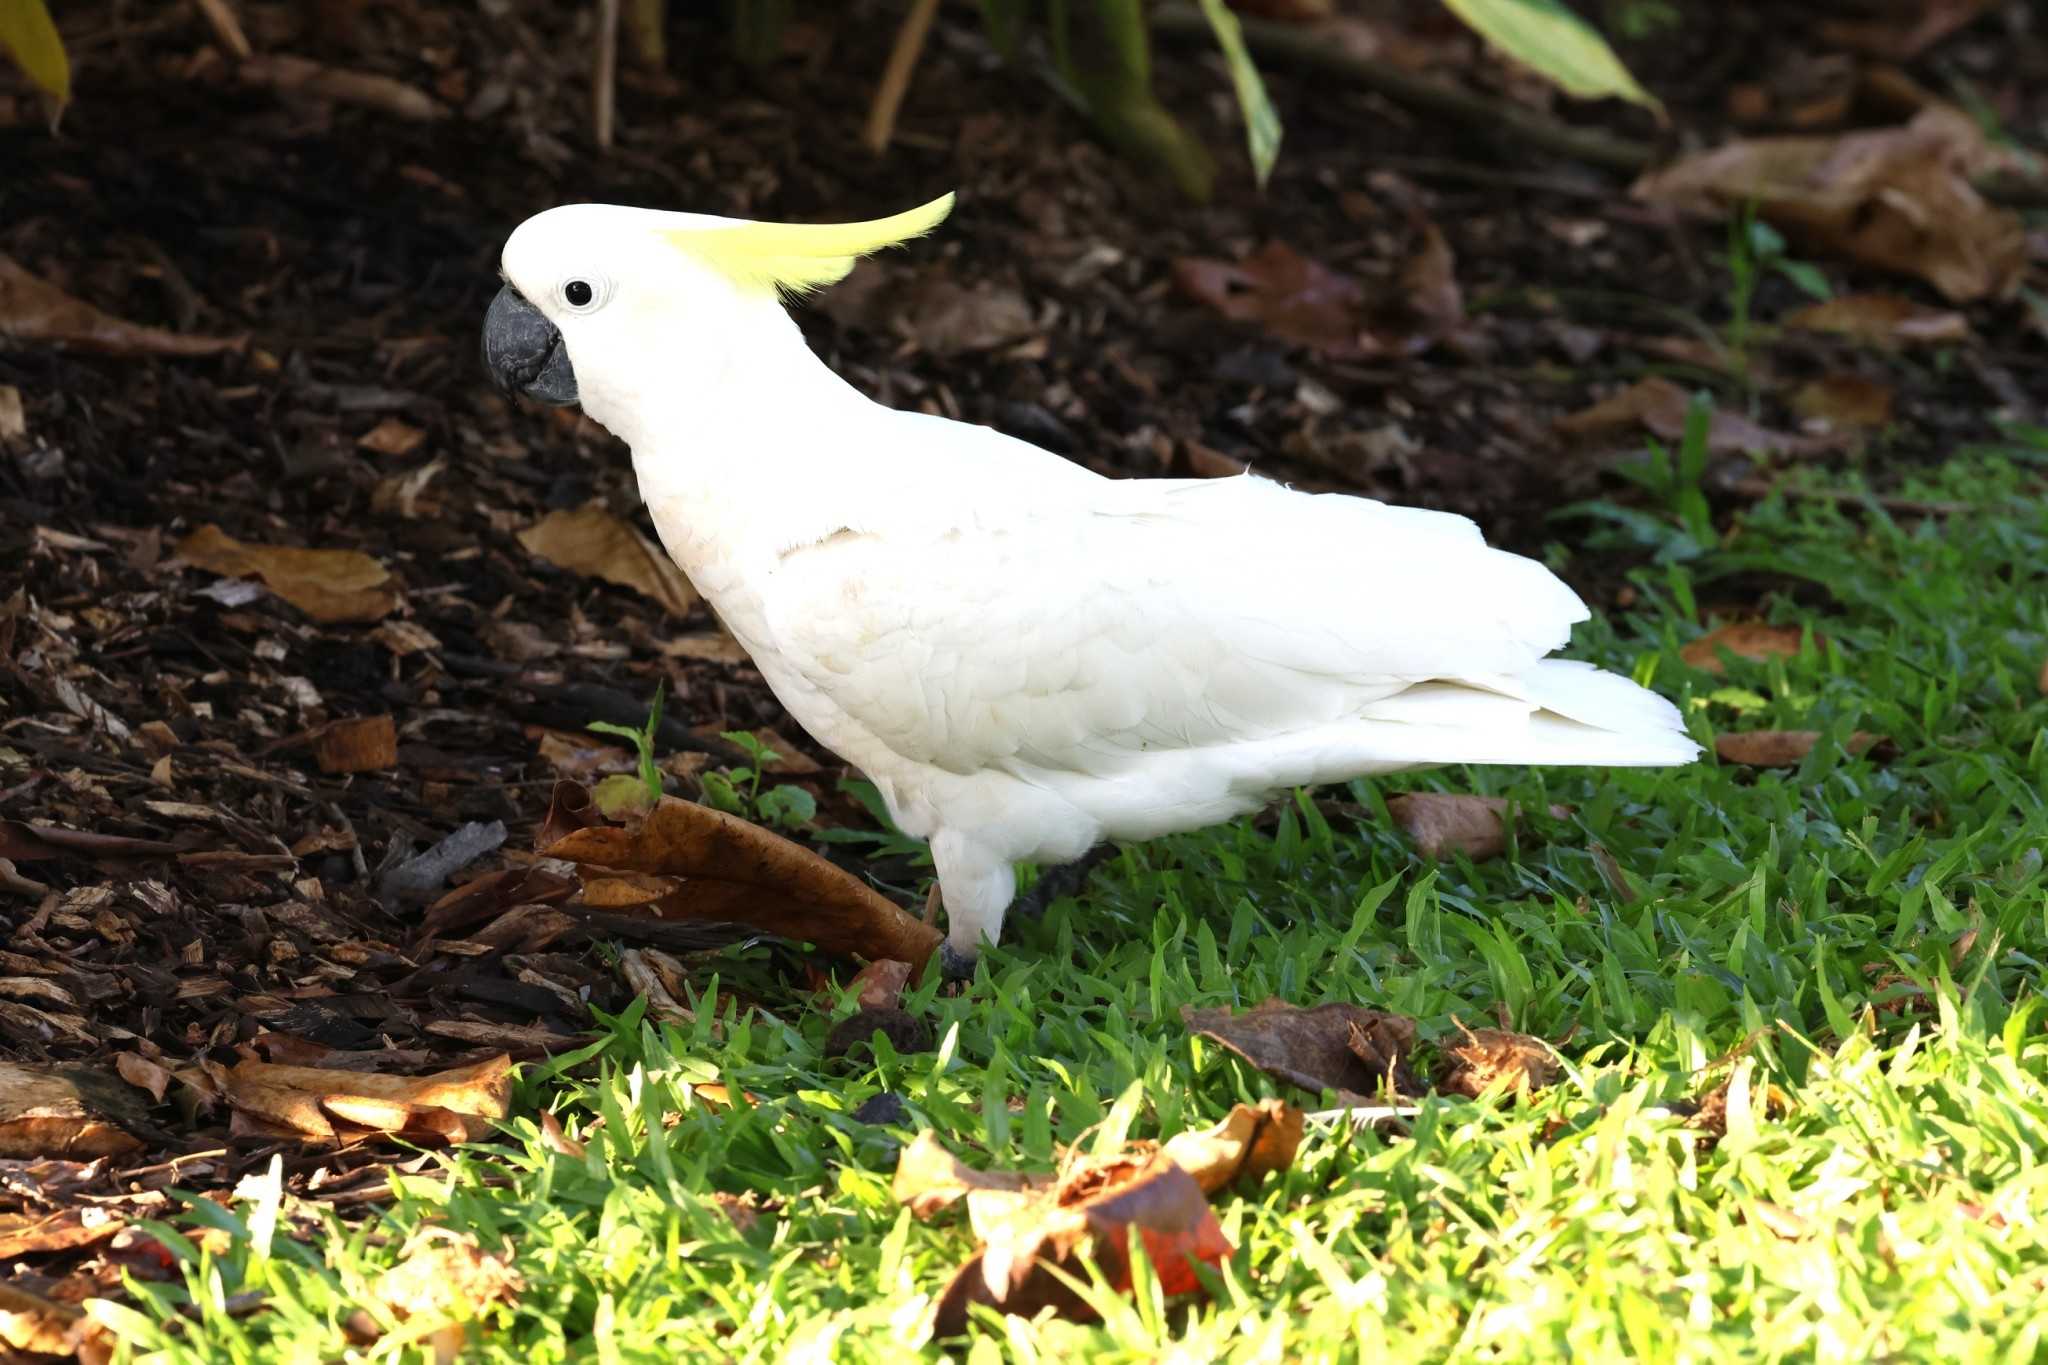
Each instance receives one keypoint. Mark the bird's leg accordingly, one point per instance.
(1067, 879)
(977, 887)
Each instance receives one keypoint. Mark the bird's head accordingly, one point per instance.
(601, 300)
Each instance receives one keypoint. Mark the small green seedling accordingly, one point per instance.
(1755, 249)
(738, 790)
(643, 741)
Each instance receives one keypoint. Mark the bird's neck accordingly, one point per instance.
(738, 446)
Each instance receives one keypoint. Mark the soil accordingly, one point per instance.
(356, 250)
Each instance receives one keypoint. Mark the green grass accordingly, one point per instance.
(1866, 937)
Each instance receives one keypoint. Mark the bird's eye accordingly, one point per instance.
(578, 293)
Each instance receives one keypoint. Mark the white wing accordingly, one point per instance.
(1168, 615)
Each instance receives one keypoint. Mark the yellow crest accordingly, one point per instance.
(796, 258)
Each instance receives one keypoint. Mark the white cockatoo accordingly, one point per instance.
(1026, 658)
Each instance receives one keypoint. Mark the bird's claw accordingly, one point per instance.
(955, 965)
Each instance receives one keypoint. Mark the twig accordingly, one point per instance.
(1308, 47)
(227, 28)
(604, 76)
(917, 25)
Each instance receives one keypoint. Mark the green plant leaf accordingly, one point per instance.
(1004, 20)
(1545, 35)
(1261, 123)
(29, 36)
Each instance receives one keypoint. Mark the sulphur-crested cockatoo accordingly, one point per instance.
(1025, 657)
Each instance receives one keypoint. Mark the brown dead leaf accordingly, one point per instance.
(321, 1103)
(68, 1112)
(1028, 1224)
(1844, 402)
(569, 809)
(13, 416)
(31, 1324)
(1351, 1049)
(1296, 299)
(1752, 640)
(1785, 748)
(879, 985)
(35, 312)
(732, 870)
(945, 318)
(140, 1072)
(442, 1276)
(331, 586)
(1444, 823)
(1899, 198)
(1489, 1056)
(1659, 406)
(591, 541)
(1252, 1142)
(929, 1178)
(38, 1234)
(392, 437)
(362, 744)
(1887, 320)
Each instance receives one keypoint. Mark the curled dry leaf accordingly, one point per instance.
(591, 541)
(732, 870)
(34, 311)
(879, 985)
(1888, 320)
(458, 1105)
(331, 586)
(1252, 1142)
(444, 1276)
(1752, 640)
(67, 1112)
(1787, 748)
(1658, 406)
(1899, 198)
(1031, 1225)
(362, 744)
(1350, 1049)
(1484, 1058)
(1444, 823)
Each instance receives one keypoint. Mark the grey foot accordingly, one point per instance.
(1065, 880)
(955, 965)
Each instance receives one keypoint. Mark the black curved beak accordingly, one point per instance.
(524, 351)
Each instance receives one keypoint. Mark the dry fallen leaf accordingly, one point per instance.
(1029, 1225)
(67, 1112)
(1659, 406)
(444, 1276)
(1881, 320)
(144, 1074)
(331, 586)
(33, 311)
(1783, 748)
(1900, 198)
(1844, 402)
(731, 870)
(1485, 1057)
(1351, 1049)
(1253, 1141)
(34, 1326)
(458, 1105)
(363, 744)
(13, 416)
(590, 540)
(392, 437)
(1752, 640)
(1443, 823)
(1296, 299)
(879, 985)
